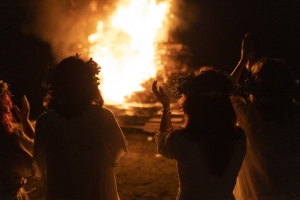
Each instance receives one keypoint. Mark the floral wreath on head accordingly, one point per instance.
(184, 85)
(247, 90)
(4, 88)
(248, 87)
(91, 64)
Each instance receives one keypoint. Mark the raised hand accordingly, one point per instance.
(246, 60)
(23, 114)
(160, 95)
(247, 52)
(165, 123)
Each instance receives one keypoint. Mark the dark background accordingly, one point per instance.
(214, 34)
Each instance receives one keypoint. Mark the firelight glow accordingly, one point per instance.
(125, 46)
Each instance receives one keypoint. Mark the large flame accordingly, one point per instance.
(125, 46)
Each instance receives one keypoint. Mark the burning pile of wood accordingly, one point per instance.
(143, 117)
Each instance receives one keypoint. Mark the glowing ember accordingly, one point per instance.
(125, 46)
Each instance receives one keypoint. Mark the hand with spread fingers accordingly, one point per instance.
(161, 95)
(246, 60)
(23, 114)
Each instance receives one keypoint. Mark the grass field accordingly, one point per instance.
(141, 175)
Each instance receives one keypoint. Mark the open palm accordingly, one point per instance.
(23, 113)
(160, 95)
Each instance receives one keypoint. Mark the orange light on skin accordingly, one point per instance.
(125, 46)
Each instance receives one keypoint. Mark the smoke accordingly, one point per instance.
(66, 24)
(184, 15)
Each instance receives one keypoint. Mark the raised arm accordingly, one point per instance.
(165, 123)
(23, 115)
(246, 59)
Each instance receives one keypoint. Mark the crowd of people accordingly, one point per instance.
(231, 146)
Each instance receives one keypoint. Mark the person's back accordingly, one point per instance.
(78, 141)
(194, 173)
(271, 120)
(77, 159)
(69, 156)
(209, 148)
(271, 166)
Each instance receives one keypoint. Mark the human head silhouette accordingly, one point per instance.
(72, 86)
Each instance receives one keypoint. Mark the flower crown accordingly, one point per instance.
(3, 87)
(248, 90)
(90, 64)
(185, 85)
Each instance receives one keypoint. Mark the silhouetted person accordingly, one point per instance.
(209, 148)
(271, 120)
(78, 141)
(15, 147)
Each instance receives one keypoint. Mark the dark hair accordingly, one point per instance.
(210, 116)
(72, 86)
(273, 88)
(5, 109)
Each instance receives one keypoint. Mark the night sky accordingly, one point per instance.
(214, 32)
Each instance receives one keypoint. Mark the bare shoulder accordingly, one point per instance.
(104, 112)
(177, 135)
(46, 116)
(45, 120)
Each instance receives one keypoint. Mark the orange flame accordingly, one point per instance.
(125, 46)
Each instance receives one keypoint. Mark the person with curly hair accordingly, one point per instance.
(78, 141)
(271, 119)
(15, 147)
(209, 148)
